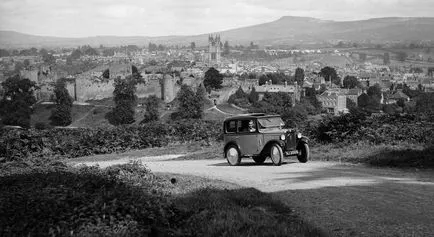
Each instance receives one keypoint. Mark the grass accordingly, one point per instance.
(227, 108)
(400, 155)
(128, 200)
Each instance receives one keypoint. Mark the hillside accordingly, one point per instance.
(286, 30)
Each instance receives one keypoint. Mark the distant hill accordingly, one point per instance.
(284, 31)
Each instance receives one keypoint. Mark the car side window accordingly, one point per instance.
(231, 126)
(246, 126)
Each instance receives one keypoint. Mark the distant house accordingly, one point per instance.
(293, 90)
(395, 97)
(334, 102)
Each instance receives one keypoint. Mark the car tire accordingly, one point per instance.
(233, 155)
(303, 151)
(276, 154)
(259, 159)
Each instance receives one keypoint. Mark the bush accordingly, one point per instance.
(70, 143)
(41, 126)
(375, 129)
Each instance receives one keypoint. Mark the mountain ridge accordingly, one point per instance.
(285, 30)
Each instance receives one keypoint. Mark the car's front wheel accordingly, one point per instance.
(276, 154)
(233, 155)
(303, 153)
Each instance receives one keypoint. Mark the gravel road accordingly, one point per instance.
(346, 200)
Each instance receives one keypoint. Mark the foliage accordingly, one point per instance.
(350, 128)
(125, 100)
(350, 82)
(239, 98)
(275, 78)
(386, 59)
(401, 56)
(128, 200)
(329, 73)
(190, 103)
(213, 79)
(61, 115)
(226, 48)
(253, 96)
(152, 103)
(106, 74)
(299, 76)
(15, 106)
(425, 103)
(70, 143)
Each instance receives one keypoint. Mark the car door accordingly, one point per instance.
(248, 139)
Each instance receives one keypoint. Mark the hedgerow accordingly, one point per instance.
(386, 129)
(70, 143)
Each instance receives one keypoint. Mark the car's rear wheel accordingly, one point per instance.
(303, 153)
(276, 154)
(233, 155)
(259, 159)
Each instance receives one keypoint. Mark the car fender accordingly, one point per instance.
(304, 140)
(301, 141)
(269, 143)
(231, 143)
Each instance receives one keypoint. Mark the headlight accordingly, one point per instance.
(282, 137)
(298, 135)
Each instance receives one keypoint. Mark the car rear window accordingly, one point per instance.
(231, 126)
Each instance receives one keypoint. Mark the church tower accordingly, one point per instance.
(215, 49)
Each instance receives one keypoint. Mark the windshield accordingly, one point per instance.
(272, 122)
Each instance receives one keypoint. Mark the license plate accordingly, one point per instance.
(290, 153)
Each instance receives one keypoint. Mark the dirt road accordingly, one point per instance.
(346, 200)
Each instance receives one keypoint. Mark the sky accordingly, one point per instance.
(83, 18)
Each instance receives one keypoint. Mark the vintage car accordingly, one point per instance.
(260, 136)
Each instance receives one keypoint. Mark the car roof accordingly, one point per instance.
(252, 116)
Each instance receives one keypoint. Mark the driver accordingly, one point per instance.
(252, 127)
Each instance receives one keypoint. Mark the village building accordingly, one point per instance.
(334, 102)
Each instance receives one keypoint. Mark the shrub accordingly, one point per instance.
(70, 143)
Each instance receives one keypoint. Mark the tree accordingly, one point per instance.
(431, 71)
(190, 103)
(386, 59)
(350, 82)
(416, 70)
(91, 51)
(61, 115)
(253, 96)
(152, 104)
(15, 106)
(48, 59)
(329, 73)
(362, 57)
(4, 53)
(26, 63)
(226, 49)
(106, 74)
(401, 56)
(299, 76)
(125, 102)
(213, 79)
(425, 103)
(152, 47)
(193, 45)
(76, 54)
(375, 91)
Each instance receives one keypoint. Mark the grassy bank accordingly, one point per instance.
(128, 200)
